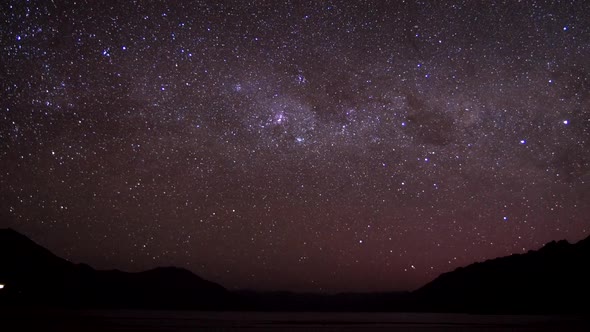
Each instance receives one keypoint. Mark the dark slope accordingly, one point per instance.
(34, 276)
(554, 279)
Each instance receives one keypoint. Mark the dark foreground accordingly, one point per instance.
(56, 320)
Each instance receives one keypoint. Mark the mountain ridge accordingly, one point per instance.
(35, 275)
(552, 279)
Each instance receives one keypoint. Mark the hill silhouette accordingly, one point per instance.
(554, 279)
(33, 276)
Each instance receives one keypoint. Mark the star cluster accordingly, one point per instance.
(301, 145)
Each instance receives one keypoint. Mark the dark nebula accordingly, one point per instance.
(298, 145)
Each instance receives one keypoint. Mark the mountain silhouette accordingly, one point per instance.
(553, 279)
(33, 276)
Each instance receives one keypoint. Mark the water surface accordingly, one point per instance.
(128, 320)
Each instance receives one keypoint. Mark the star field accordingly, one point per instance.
(299, 145)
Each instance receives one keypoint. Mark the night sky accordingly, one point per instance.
(295, 145)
